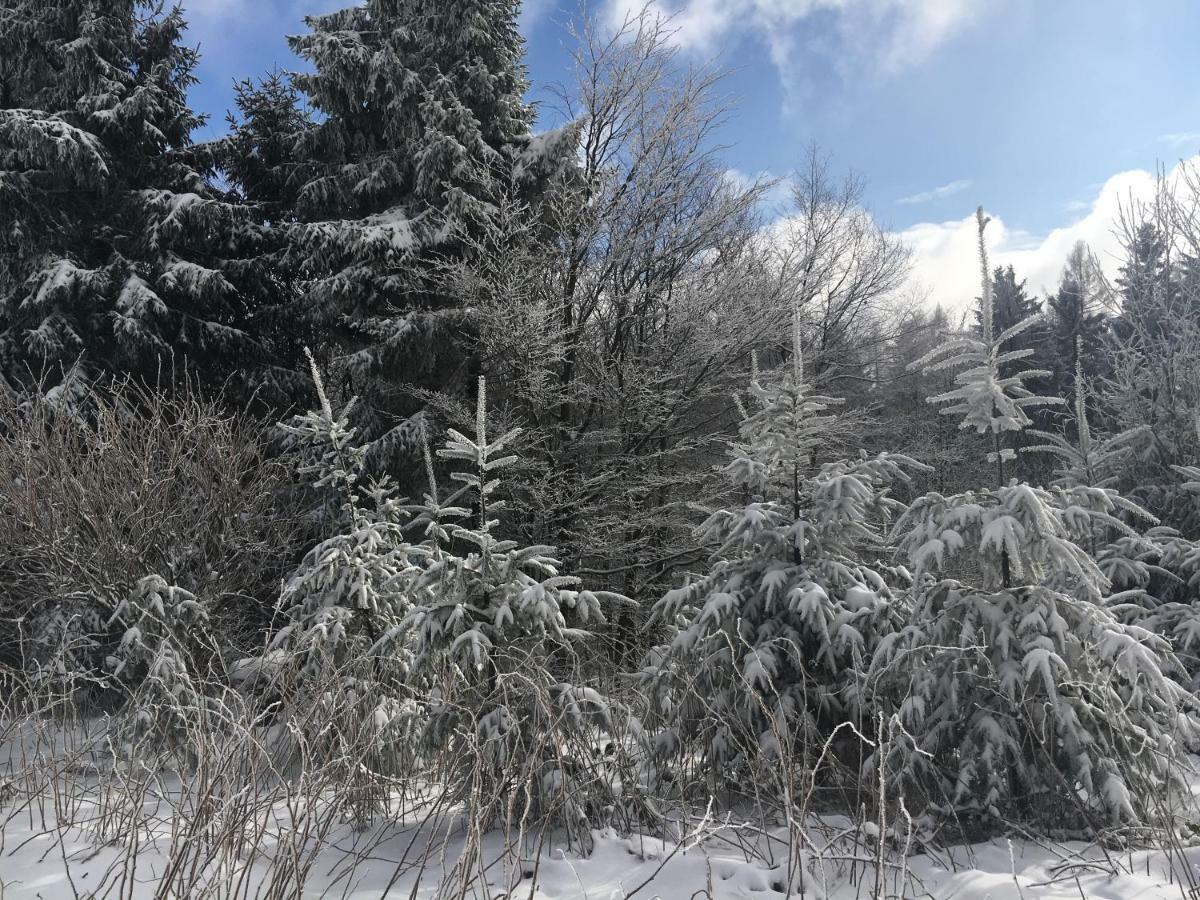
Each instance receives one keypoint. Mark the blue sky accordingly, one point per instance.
(1045, 111)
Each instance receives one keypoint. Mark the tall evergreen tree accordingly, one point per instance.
(1145, 284)
(1010, 303)
(1010, 306)
(424, 131)
(258, 158)
(112, 242)
(1077, 326)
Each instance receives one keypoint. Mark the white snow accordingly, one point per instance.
(718, 860)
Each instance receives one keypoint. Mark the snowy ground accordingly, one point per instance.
(42, 862)
(138, 834)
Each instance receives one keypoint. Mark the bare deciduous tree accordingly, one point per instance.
(837, 264)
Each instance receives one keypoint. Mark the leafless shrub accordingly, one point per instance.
(143, 483)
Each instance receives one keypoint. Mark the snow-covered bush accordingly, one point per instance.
(1021, 695)
(768, 644)
(162, 660)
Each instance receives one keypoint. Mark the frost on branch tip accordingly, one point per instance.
(987, 400)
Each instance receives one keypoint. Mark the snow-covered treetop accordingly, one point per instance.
(1089, 461)
(987, 400)
(777, 443)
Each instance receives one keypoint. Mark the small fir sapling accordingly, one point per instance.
(347, 591)
(1023, 696)
(491, 639)
(769, 640)
(160, 660)
(353, 586)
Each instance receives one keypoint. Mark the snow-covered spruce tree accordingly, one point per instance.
(1022, 696)
(112, 243)
(348, 591)
(771, 640)
(423, 128)
(259, 160)
(492, 632)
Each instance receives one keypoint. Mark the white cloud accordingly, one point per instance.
(1180, 138)
(944, 253)
(224, 28)
(938, 193)
(878, 36)
(532, 13)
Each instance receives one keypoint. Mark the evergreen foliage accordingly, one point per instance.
(1078, 326)
(351, 587)
(1022, 695)
(1155, 370)
(1011, 306)
(160, 658)
(446, 644)
(492, 629)
(766, 645)
(966, 648)
(113, 246)
(1147, 284)
(260, 160)
(423, 131)
(1088, 461)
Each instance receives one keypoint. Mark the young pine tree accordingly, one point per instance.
(494, 633)
(1023, 696)
(767, 644)
(352, 587)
